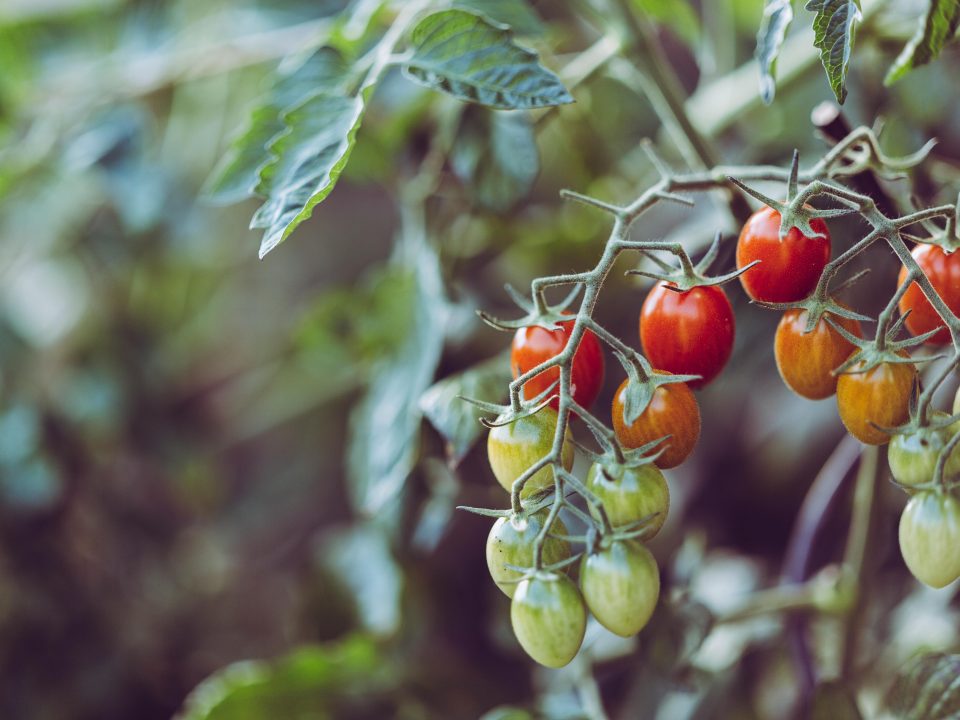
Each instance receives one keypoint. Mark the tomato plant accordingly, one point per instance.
(549, 618)
(511, 542)
(621, 585)
(806, 361)
(943, 270)
(930, 538)
(687, 332)
(630, 494)
(516, 446)
(913, 455)
(673, 411)
(789, 269)
(874, 399)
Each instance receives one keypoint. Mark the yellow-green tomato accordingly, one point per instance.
(913, 456)
(511, 542)
(549, 618)
(630, 494)
(621, 585)
(514, 447)
(930, 538)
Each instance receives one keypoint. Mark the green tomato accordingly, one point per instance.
(630, 494)
(514, 447)
(621, 585)
(549, 618)
(913, 456)
(930, 538)
(511, 542)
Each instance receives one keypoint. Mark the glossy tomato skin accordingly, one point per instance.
(514, 447)
(687, 333)
(549, 618)
(788, 270)
(943, 271)
(673, 411)
(930, 538)
(511, 542)
(630, 494)
(913, 456)
(880, 396)
(534, 345)
(621, 585)
(805, 361)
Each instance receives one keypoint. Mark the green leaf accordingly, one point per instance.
(834, 29)
(777, 16)
(459, 421)
(928, 688)
(834, 701)
(936, 29)
(236, 176)
(496, 156)
(516, 14)
(675, 14)
(475, 60)
(311, 682)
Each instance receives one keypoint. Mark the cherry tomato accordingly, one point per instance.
(673, 411)
(621, 585)
(880, 396)
(789, 269)
(687, 333)
(944, 273)
(511, 542)
(534, 345)
(913, 456)
(930, 538)
(549, 618)
(805, 361)
(630, 494)
(514, 447)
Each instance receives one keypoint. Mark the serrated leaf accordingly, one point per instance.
(516, 14)
(457, 420)
(475, 60)
(495, 155)
(675, 14)
(928, 688)
(936, 28)
(834, 28)
(777, 16)
(236, 176)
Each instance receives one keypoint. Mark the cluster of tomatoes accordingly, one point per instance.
(690, 332)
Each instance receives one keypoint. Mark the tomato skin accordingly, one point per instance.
(514, 447)
(534, 345)
(913, 456)
(943, 271)
(805, 361)
(621, 586)
(549, 618)
(673, 411)
(511, 541)
(630, 494)
(788, 270)
(881, 396)
(688, 333)
(930, 538)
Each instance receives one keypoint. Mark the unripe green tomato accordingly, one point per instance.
(548, 618)
(630, 494)
(514, 447)
(621, 585)
(511, 542)
(930, 538)
(913, 456)
(956, 402)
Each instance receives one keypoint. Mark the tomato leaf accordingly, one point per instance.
(927, 688)
(834, 28)
(496, 156)
(935, 30)
(517, 14)
(777, 16)
(476, 60)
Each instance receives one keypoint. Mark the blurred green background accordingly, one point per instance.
(207, 458)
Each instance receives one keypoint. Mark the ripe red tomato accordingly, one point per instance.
(673, 411)
(805, 361)
(944, 273)
(880, 396)
(687, 333)
(788, 269)
(534, 345)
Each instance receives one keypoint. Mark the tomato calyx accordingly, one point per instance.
(538, 312)
(880, 349)
(818, 307)
(545, 572)
(506, 414)
(643, 383)
(688, 276)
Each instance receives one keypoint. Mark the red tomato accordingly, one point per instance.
(944, 273)
(687, 333)
(534, 345)
(672, 411)
(788, 269)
